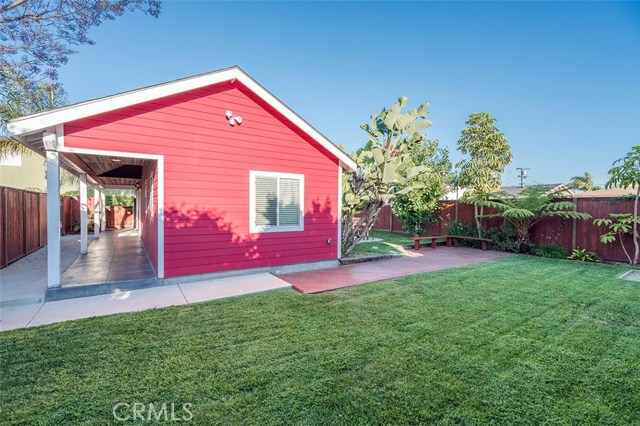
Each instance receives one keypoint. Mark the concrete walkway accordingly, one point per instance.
(180, 293)
(416, 262)
(34, 314)
(25, 281)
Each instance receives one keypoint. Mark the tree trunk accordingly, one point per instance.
(352, 234)
(478, 220)
(523, 237)
(635, 227)
(620, 237)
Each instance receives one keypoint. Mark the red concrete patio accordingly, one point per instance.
(416, 262)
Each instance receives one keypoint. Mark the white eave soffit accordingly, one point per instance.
(41, 121)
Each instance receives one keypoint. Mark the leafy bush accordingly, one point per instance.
(420, 206)
(413, 213)
(583, 255)
(463, 230)
(124, 200)
(552, 251)
(75, 226)
(505, 238)
(530, 206)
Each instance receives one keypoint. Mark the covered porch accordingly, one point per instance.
(111, 260)
(117, 259)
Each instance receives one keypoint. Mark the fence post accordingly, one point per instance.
(456, 208)
(23, 196)
(38, 221)
(5, 227)
(574, 227)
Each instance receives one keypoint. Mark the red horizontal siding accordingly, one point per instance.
(207, 164)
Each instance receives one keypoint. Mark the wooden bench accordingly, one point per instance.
(450, 239)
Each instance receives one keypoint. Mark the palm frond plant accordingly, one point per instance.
(527, 208)
(583, 183)
(386, 168)
(18, 98)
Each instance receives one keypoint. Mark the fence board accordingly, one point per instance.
(31, 225)
(15, 224)
(3, 240)
(42, 211)
(23, 220)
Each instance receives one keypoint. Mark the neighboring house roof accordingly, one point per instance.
(553, 187)
(41, 121)
(454, 194)
(614, 192)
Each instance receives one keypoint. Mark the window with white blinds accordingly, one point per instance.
(276, 202)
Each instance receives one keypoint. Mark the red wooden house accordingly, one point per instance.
(227, 176)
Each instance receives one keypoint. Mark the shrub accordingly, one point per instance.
(463, 230)
(75, 226)
(583, 255)
(505, 238)
(552, 250)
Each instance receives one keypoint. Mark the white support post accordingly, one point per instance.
(53, 210)
(103, 211)
(96, 211)
(83, 213)
(138, 208)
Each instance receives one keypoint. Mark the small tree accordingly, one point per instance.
(625, 174)
(489, 153)
(528, 208)
(583, 183)
(385, 168)
(619, 224)
(419, 207)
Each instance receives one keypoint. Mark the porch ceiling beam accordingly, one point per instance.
(82, 167)
(130, 187)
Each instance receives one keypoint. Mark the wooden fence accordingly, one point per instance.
(567, 233)
(23, 221)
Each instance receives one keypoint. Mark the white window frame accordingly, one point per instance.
(253, 229)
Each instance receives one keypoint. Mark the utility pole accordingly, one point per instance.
(523, 175)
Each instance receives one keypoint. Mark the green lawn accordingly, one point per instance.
(392, 243)
(523, 340)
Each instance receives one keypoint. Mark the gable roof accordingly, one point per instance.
(614, 192)
(43, 120)
(552, 187)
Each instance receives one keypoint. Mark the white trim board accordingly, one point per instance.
(41, 121)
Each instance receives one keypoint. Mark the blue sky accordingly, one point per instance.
(563, 79)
